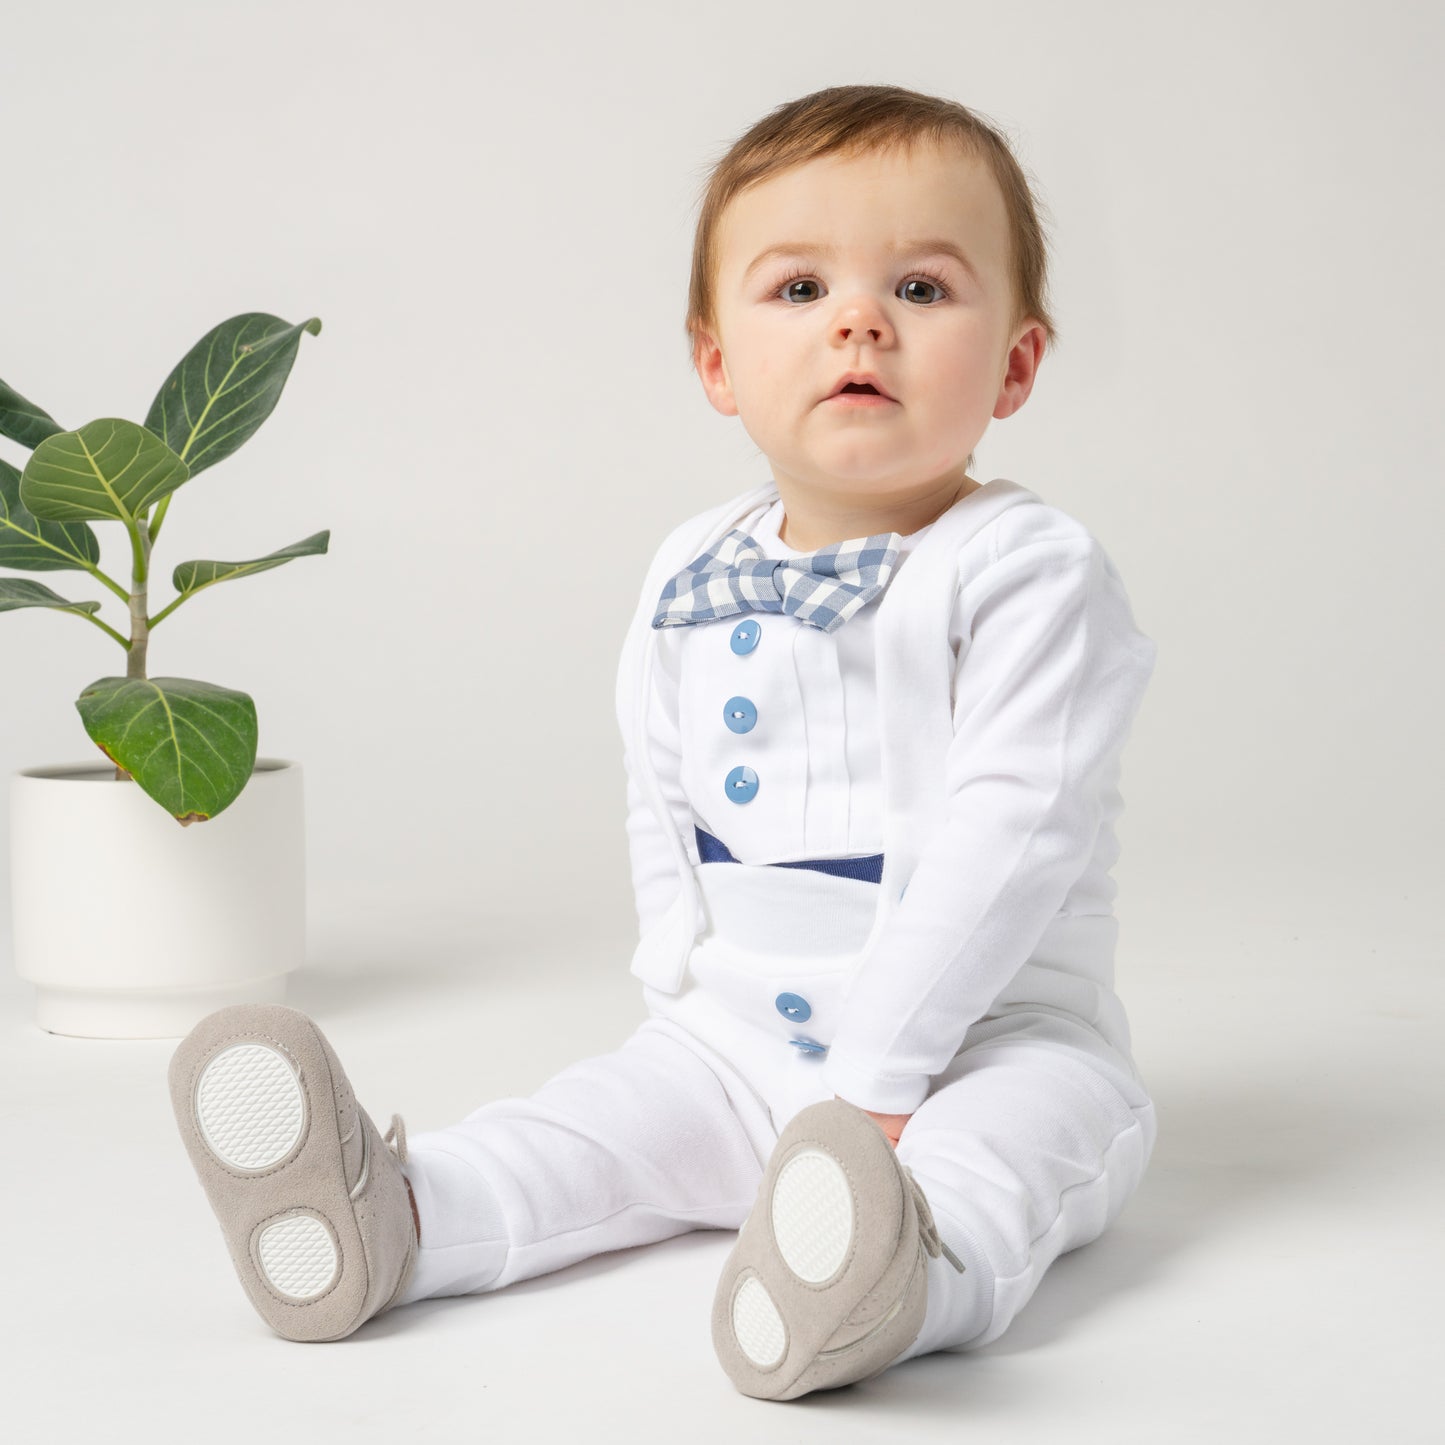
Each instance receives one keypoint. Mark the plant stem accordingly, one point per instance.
(135, 662)
(104, 626)
(166, 611)
(107, 582)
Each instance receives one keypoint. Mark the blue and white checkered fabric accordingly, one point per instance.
(824, 588)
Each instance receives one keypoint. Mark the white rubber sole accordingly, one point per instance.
(757, 1326)
(250, 1107)
(811, 1216)
(250, 1110)
(298, 1256)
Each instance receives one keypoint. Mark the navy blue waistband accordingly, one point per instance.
(867, 870)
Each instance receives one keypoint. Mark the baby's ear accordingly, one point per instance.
(712, 371)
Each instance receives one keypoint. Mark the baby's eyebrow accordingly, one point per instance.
(930, 246)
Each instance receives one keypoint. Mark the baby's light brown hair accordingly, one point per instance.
(852, 120)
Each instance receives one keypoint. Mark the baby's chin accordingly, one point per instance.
(862, 471)
(863, 487)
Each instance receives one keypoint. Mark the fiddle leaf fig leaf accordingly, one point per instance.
(193, 576)
(111, 469)
(225, 386)
(30, 545)
(17, 592)
(190, 745)
(22, 421)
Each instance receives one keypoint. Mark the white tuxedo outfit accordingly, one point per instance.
(967, 726)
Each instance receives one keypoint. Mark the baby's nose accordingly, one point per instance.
(863, 318)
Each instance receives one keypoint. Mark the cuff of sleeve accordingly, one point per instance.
(878, 1093)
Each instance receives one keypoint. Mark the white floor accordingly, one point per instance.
(1277, 1277)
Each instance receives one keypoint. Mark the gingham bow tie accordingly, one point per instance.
(824, 588)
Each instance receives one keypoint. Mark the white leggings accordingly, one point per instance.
(1027, 1146)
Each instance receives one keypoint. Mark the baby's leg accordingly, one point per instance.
(620, 1149)
(1028, 1146)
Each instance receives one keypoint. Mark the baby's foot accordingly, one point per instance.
(315, 1209)
(827, 1284)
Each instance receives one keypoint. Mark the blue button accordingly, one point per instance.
(794, 1006)
(809, 1046)
(742, 785)
(739, 714)
(745, 637)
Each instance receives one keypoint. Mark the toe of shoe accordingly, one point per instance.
(824, 1277)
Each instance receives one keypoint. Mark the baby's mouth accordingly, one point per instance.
(859, 388)
(856, 394)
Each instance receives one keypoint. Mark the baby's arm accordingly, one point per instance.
(1050, 674)
(655, 862)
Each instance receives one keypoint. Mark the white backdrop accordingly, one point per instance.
(491, 213)
(491, 209)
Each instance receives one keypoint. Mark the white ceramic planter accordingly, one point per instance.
(131, 926)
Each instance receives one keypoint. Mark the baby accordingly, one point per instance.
(872, 714)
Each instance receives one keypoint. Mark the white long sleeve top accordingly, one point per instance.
(1006, 671)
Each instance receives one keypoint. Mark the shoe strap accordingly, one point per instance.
(932, 1239)
(396, 1137)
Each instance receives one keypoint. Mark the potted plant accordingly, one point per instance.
(131, 922)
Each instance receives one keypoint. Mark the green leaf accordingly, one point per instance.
(225, 386)
(31, 545)
(111, 469)
(22, 421)
(17, 592)
(192, 576)
(190, 745)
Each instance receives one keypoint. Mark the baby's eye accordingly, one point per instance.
(909, 290)
(923, 290)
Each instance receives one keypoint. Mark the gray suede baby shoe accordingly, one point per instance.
(312, 1201)
(827, 1284)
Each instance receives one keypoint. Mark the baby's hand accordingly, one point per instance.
(891, 1124)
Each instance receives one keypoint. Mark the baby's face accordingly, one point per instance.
(844, 265)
